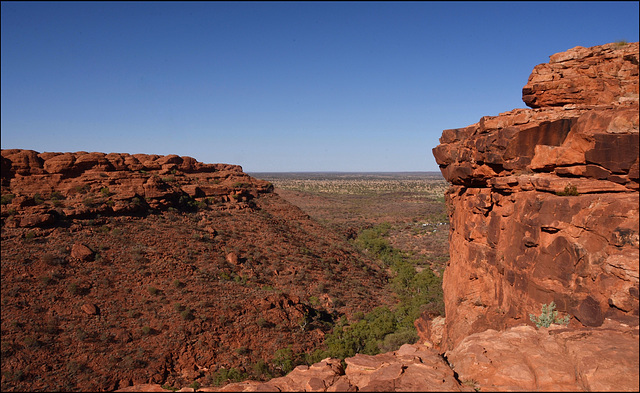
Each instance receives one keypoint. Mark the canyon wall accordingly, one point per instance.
(543, 204)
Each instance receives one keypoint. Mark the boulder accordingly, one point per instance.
(82, 252)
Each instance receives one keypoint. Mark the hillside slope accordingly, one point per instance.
(120, 270)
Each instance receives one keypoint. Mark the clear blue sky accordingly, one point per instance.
(327, 86)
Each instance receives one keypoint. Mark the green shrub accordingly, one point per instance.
(363, 336)
(548, 316)
(56, 195)
(74, 367)
(73, 288)
(394, 341)
(372, 241)
(285, 360)
(261, 370)
(241, 185)
(31, 342)
(89, 202)
(187, 314)
(242, 350)
(38, 199)
(6, 199)
(82, 189)
(223, 375)
(569, 190)
(177, 283)
(620, 43)
(385, 329)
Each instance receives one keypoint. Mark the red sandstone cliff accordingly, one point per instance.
(544, 201)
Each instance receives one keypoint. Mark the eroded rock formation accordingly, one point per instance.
(39, 188)
(544, 202)
(122, 270)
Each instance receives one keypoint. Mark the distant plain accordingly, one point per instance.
(412, 203)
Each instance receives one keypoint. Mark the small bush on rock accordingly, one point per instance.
(569, 190)
(548, 316)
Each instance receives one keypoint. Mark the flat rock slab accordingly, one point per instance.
(524, 358)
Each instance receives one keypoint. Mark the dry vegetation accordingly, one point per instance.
(420, 184)
(411, 202)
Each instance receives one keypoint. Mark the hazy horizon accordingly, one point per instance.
(278, 86)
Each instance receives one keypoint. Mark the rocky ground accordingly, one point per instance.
(149, 283)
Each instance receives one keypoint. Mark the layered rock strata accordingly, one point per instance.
(40, 188)
(543, 204)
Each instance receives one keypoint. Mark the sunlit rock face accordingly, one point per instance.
(85, 184)
(544, 201)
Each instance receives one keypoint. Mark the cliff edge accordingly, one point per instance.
(544, 201)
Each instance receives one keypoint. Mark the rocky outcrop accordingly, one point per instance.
(586, 76)
(544, 202)
(411, 368)
(521, 358)
(39, 189)
(171, 294)
(524, 358)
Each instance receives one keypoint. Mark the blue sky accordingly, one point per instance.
(278, 86)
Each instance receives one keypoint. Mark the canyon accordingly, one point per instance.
(543, 209)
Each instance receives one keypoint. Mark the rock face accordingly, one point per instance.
(544, 202)
(41, 188)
